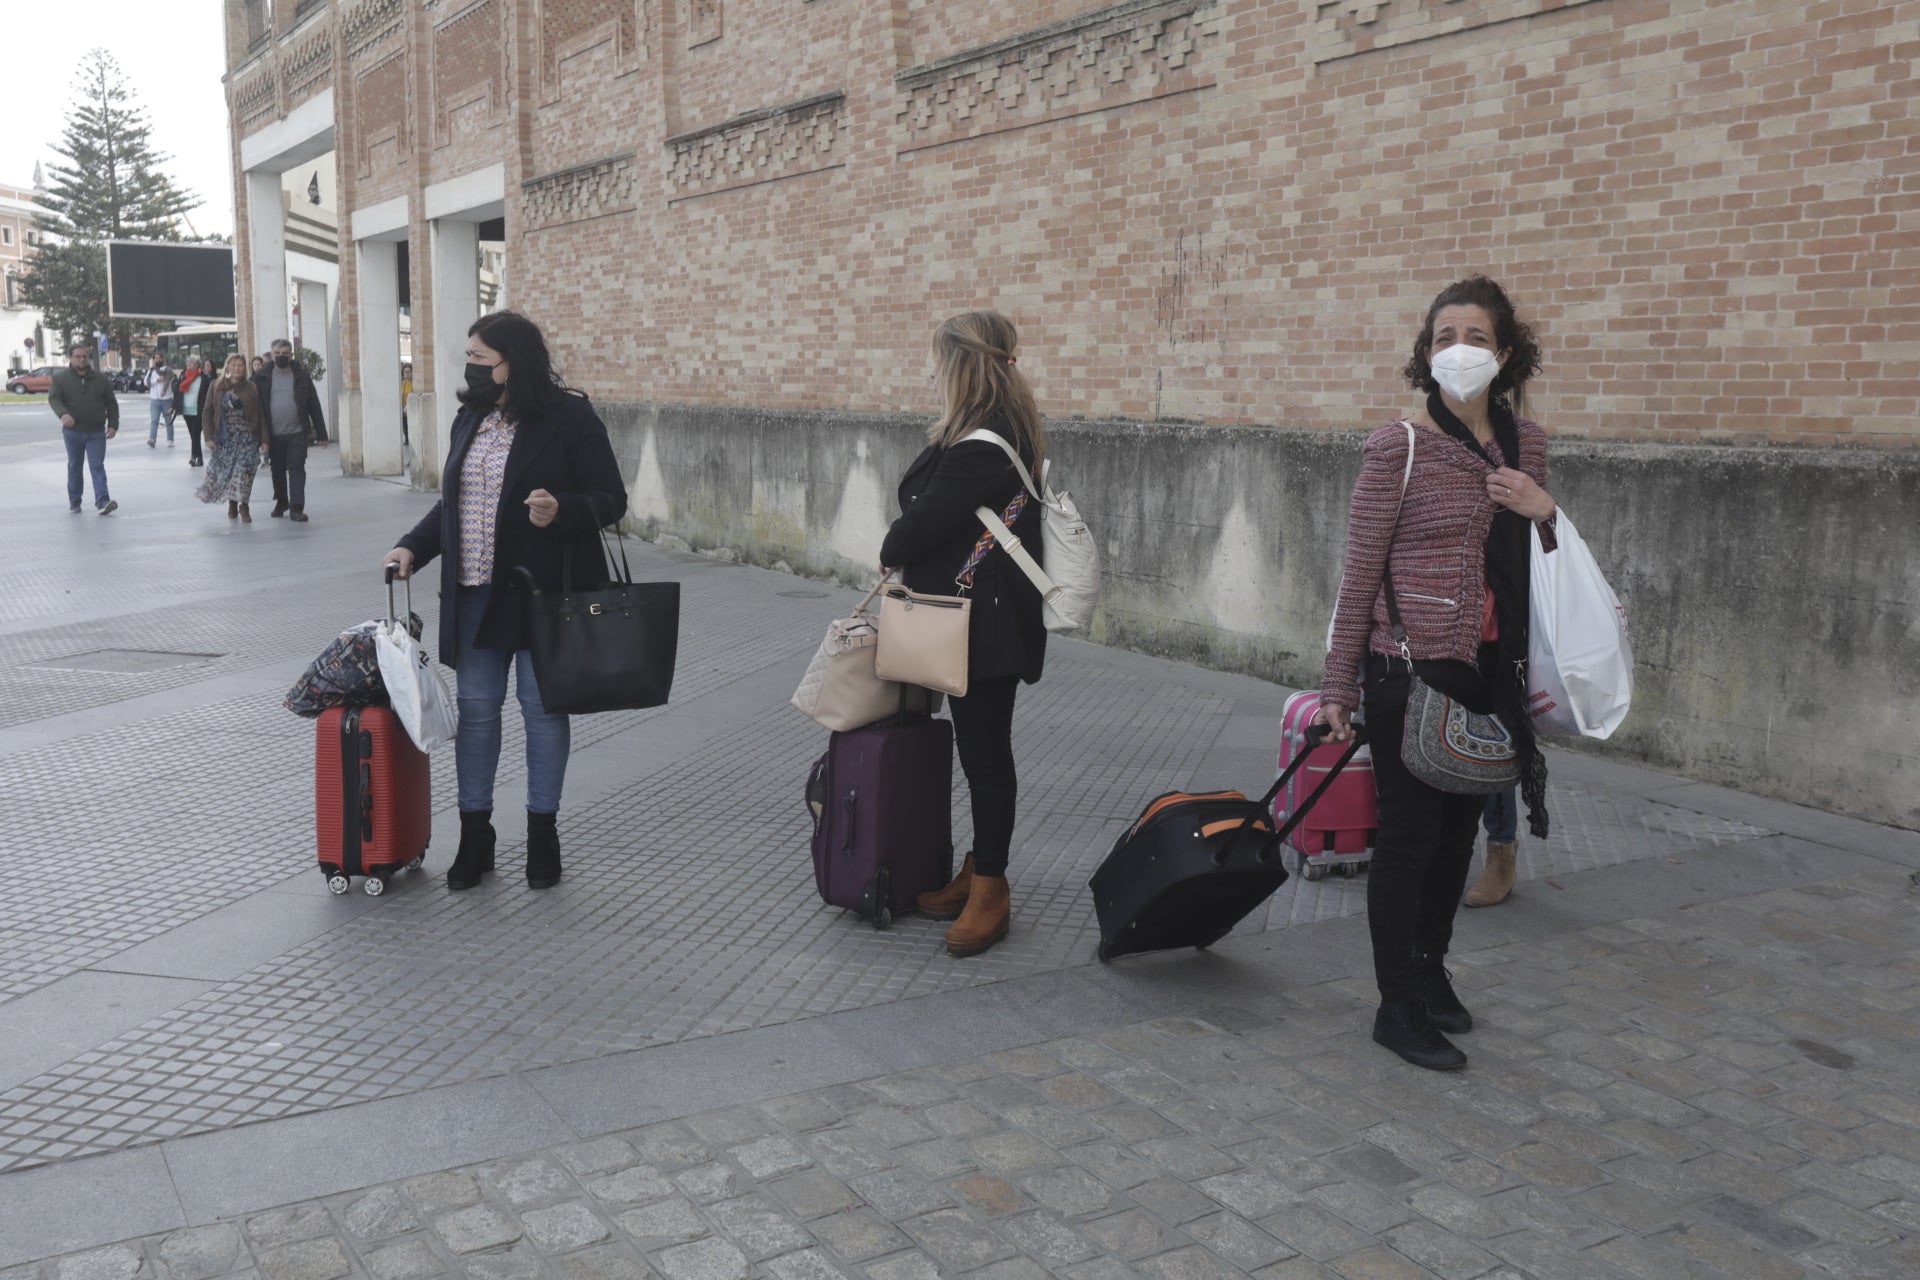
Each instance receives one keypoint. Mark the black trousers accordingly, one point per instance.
(193, 435)
(287, 455)
(1422, 851)
(983, 735)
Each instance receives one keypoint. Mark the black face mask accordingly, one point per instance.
(480, 381)
(283, 361)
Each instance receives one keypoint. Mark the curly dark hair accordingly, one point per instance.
(1510, 334)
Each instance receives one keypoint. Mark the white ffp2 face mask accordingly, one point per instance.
(1465, 372)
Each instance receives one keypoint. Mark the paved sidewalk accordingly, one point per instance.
(1693, 1058)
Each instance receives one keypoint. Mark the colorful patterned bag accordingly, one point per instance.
(346, 674)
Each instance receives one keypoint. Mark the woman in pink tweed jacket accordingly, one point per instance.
(1458, 543)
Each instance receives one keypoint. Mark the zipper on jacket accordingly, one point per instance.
(1415, 595)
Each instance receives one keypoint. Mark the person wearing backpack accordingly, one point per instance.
(981, 389)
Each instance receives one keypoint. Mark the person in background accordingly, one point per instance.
(89, 416)
(189, 393)
(1502, 821)
(981, 389)
(294, 422)
(236, 430)
(1454, 524)
(259, 363)
(530, 479)
(159, 401)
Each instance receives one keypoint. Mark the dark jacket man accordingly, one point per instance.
(305, 399)
(87, 398)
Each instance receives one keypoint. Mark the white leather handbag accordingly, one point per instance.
(1070, 583)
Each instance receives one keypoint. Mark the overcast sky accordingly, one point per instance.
(173, 55)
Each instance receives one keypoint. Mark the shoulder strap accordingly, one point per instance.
(1010, 543)
(1393, 605)
(1013, 455)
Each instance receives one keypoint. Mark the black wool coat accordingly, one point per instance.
(935, 533)
(567, 453)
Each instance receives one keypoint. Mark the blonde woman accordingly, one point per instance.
(236, 434)
(981, 388)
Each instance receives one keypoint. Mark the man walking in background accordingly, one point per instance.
(159, 401)
(294, 420)
(89, 417)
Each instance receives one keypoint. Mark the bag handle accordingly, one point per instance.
(1011, 544)
(393, 571)
(1013, 456)
(860, 609)
(1316, 737)
(1398, 627)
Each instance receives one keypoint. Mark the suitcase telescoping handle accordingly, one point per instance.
(1316, 736)
(392, 571)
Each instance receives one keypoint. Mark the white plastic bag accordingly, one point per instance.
(414, 686)
(1579, 660)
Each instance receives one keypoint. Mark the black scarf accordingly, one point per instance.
(1509, 547)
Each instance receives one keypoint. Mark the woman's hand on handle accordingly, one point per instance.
(402, 561)
(1338, 719)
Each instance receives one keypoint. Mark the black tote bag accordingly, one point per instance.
(608, 649)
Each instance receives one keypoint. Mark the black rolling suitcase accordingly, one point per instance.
(1194, 864)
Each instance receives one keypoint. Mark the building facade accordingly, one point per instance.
(1217, 223)
(24, 341)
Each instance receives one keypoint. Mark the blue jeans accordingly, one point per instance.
(89, 447)
(481, 678)
(1502, 817)
(156, 410)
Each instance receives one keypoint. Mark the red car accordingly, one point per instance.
(33, 381)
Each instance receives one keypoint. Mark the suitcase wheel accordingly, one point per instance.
(417, 863)
(883, 918)
(1314, 870)
(374, 886)
(1347, 869)
(337, 882)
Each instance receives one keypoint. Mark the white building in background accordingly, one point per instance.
(24, 341)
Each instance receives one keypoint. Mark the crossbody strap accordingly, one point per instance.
(1011, 544)
(1013, 456)
(1393, 606)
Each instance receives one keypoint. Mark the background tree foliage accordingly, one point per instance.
(113, 186)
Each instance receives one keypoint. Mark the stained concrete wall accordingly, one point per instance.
(1772, 593)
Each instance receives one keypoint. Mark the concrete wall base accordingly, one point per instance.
(1771, 591)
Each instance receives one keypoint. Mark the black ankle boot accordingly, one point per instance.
(475, 856)
(543, 851)
(1437, 998)
(1403, 1027)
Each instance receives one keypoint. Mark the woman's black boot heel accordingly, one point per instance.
(543, 850)
(475, 856)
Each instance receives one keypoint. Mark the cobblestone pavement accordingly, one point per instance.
(1654, 1092)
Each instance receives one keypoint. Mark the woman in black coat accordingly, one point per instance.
(530, 477)
(932, 543)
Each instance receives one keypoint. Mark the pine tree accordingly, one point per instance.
(113, 187)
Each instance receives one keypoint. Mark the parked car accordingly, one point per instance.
(128, 379)
(33, 381)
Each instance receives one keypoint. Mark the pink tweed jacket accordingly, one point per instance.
(1437, 545)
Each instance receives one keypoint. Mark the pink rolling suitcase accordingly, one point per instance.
(1339, 830)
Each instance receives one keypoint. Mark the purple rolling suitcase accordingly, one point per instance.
(882, 805)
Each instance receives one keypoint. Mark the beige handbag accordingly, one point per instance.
(841, 689)
(923, 640)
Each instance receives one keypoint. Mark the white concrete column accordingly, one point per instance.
(456, 305)
(379, 279)
(320, 330)
(267, 249)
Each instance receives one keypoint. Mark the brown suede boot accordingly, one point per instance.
(984, 922)
(1496, 878)
(947, 903)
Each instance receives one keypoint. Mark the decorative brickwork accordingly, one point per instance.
(469, 66)
(778, 142)
(1342, 28)
(256, 100)
(370, 23)
(380, 113)
(1129, 52)
(703, 22)
(583, 192)
(570, 27)
(306, 67)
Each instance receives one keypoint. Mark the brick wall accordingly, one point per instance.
(1230, 211)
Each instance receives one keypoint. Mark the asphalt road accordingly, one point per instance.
(30, 422)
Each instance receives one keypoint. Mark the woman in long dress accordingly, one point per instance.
(236, 433)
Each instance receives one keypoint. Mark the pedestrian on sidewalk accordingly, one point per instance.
(530, 479)
(188, 393)
(236, 439)
(1455, 532)
(294, 422)
(159, 401)
(89, 416)
(1501, 817)
(981, 388)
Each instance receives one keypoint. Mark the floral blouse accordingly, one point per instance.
(483, 473)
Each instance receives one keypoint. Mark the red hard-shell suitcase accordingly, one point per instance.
(372, 797)
(1337, 833)
(882, 805)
